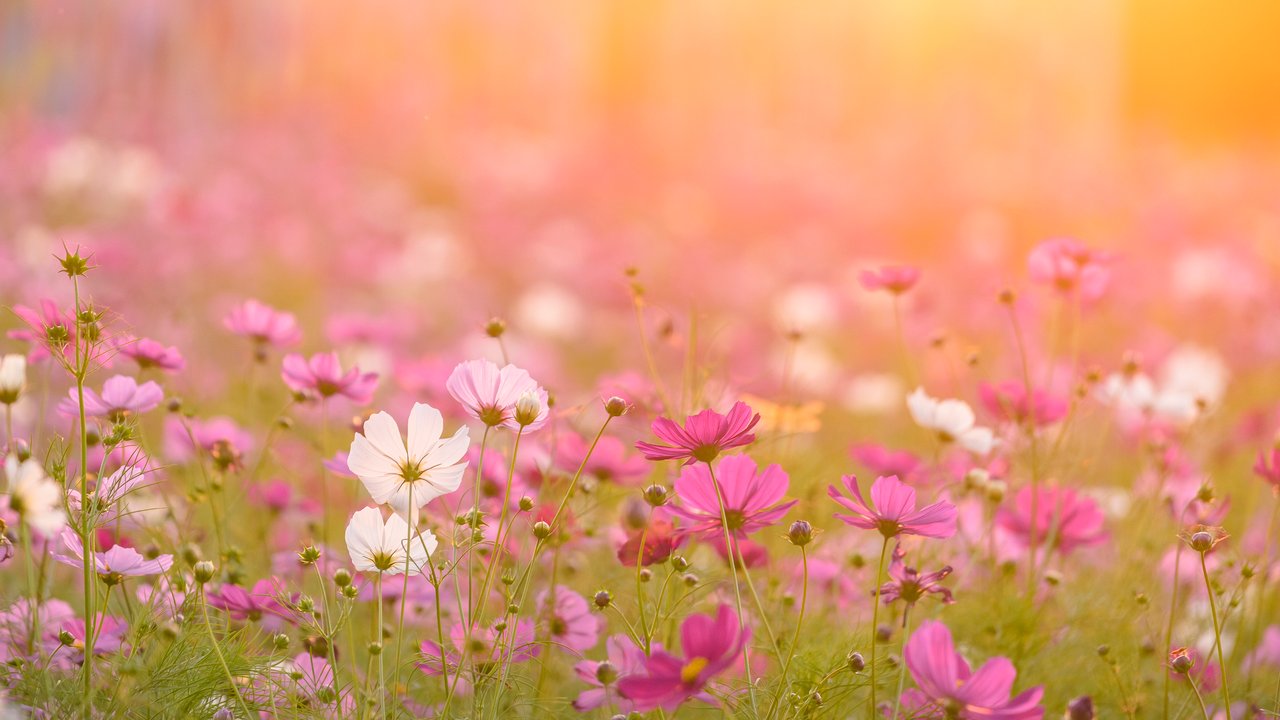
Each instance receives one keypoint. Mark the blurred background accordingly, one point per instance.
(363, 156)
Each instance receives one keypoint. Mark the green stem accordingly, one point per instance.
(1217, 636)
(795, 639)
(382, 673)
(875, 621)
(737, 591)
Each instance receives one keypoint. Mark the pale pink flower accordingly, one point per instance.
(896, 279)
(1070, 267)
(321, 378)
(491, 394)
(263, 324)
(893, 510)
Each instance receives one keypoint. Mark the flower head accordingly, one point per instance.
(1070, 268)
(506, 396)
(13, 377)
(572, 624)
(321, 378)
(952, 420)
(121, 397)
(949, 688)
(893, 510)
(115, 563)
(408, 472)
(34, 496)
(1008, 401)
(710, 646)
(908, 585)
(1268, 467)
(385, 545)
(263, 324)
(896, 279)
(625, 659)
(752, 499)
(1062, 515)
(148, 353)
(703, 437)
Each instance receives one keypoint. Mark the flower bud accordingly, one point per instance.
(526, 504)
(1201, 541)
(350, 592)
(606, 673)
(645, 574)
(689, 579)
(66, 638)
(855, 662)
(342, 577)
(280, 641)
(995, 490)
(375, 648)
(13, 377)
(495, 327)
(308, 555)
(1180, 660)
(528, 408)
(204, 571)
(679, 563)
(800, 533)
(615, 406)
(655, 495)
(541, 530)
(603, 599)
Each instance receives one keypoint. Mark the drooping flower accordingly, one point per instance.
(116, 563)
(896, 279)
(947, 687)
(263, 324)
(1008, 401)
(1064, 517)
(385, 545)
(893, 509)
(572, 624)
(491, 395)
(908, 585)
(34, 496)
(752, 499)
(121, 397)
(409, 473)
(625, 659)
(148, 353)
(321, 378)
(703, 437)
(1070, 268)
(953, 421)
(710, 646)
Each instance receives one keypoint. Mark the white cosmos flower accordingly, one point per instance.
(408, 474)
(378, 545)
(35, 496)
(953, 420)
(13, 377)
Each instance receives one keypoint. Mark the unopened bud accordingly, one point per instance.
(603, 599)
(655, 495)
(615, 406)
(204, 571)
(800, 533)
(855, 662)
(541, 530)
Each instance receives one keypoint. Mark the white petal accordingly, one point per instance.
(384, 433)
(922, 408)
(978, 441)
(363, 534)
(425, 427)
(954, 417)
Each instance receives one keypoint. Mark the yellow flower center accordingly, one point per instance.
(690, 672)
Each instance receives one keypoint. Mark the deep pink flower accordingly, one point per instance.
(1074, 520)
(490, 394)
(321, 377)
(108, 634)
(949, 689)
(752, 499)
(625, 659)
(254, 604)
(1268, 467)
(121, 397)
(703, 437)
(1008, 401)
(660, 540)
(880, 460)
(263, 324)
(148, 353)
(710, 646)
(893, 509)
(119, 561)
(896, 279)
(909, 585)
(572, 624)
(1070, 267)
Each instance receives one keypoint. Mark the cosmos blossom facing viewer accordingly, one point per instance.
(703, 437)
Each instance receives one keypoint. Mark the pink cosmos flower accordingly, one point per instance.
(896, 279)
(1268, 467)
(703, 437)
(148, 353)
(752, 499)
(321, 377)
(263, 324)
(516, 646)
(1070, 267)
(1008, 401)
(1075, 520)
(710, 646)
(1267, 653)
(893, 510)
(571, 622)
(880, 460)
(909, 585)
(491, 394)
(121, 397)
(252, 605)
(16, 625)
(37, 330)
(214, 435)
(108, 634)
(117, 562)
(625, 659)
(948, 688)
(660, 540)
(609, 462)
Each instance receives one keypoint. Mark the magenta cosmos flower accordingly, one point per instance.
(949, 689)
(505, 396)
(893, 510)
(1008, 401)
(321, 378)
(703, 437)
(121, 397)
(571, 623)
(710, 645)
(896, 279)
(1075, 520)
(148, 353)
(1070, 267)
(752, 499)
(114, 564)
(263, 324)
(625, 659)
(907, 584)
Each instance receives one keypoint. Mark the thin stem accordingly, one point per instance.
(737, 591)
(382, 673)
(902, 672)
(404, 589)
(217, 650)
(1200, 699)
(1168, 633)
(475, 513)
(640, 595)
(1217, 636)
(875, 621)
(502, 519)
